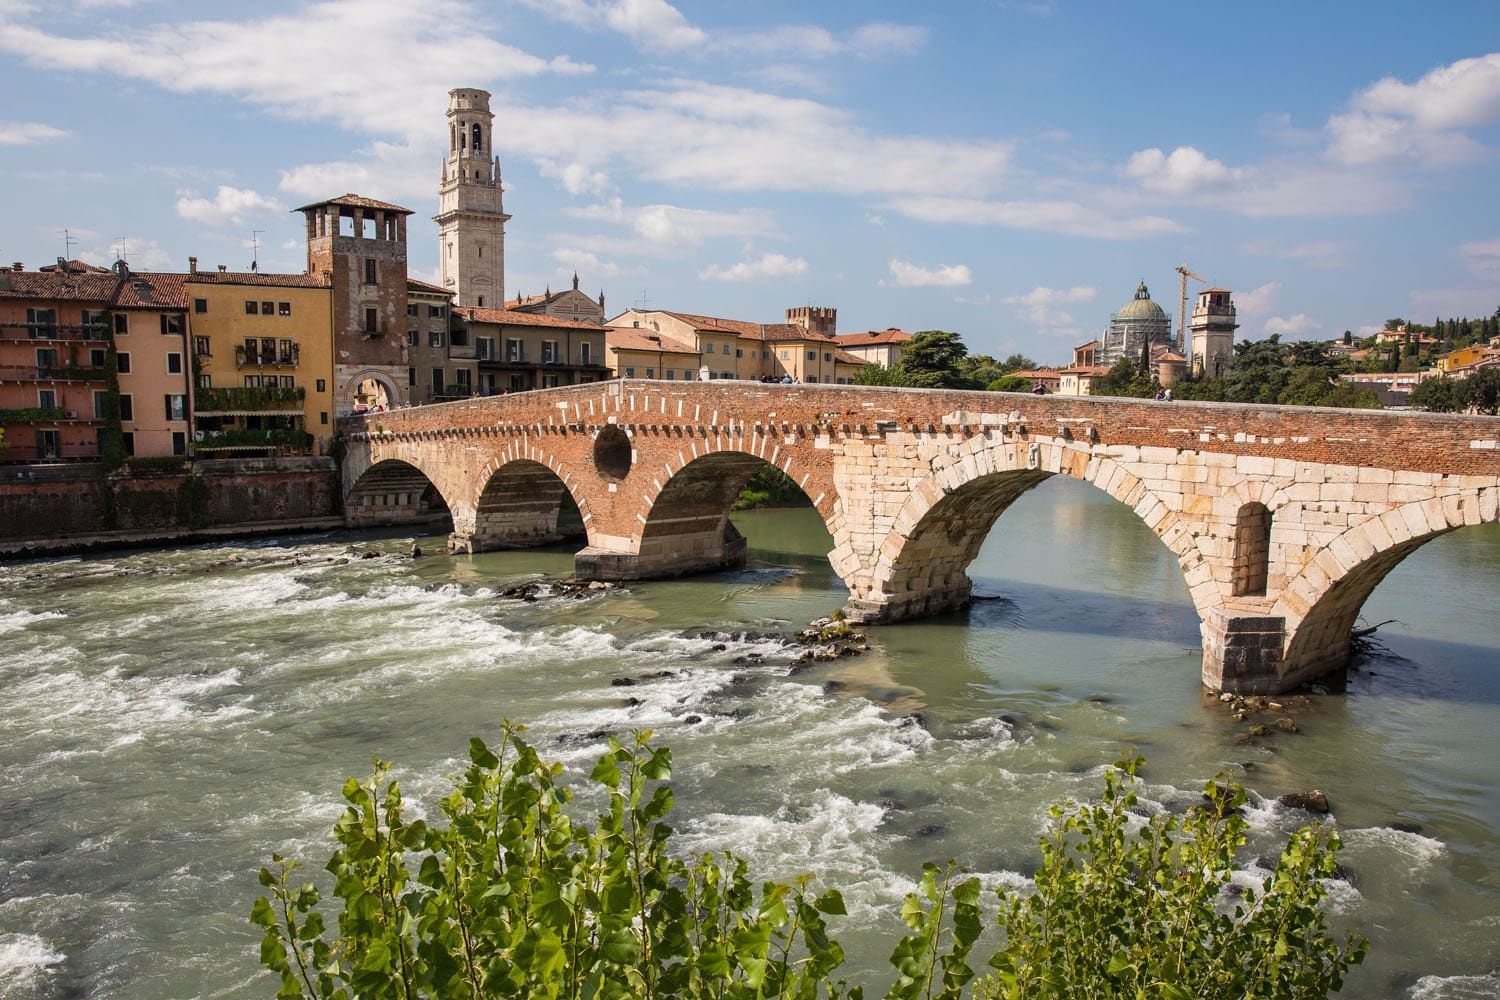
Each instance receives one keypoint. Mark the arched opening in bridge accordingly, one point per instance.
(1319, 639)
(1252, 550)
(612, 452)
(524, 505)
(394, 492)
(689, 525)
(372, 392)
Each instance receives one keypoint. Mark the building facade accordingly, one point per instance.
(153, 362)
(517, 352)
(632, 353)
(568, 304)
(441, 363)
(802, 349)
(875, 347)
(471, 212)
(1213, 325)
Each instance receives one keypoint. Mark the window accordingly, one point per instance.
(127, 441)
(370, 272)
(458, 338)
(550, 380)
(288, 382)
(630, 372)
(97, 321)
(127, 407)
(484, 348)
(46, 399)
(411, 377)
(322, 416)
(204, 381)
(200, 305)
(651, 373)
(252, 381)
(201, 347)
(171, 324)
(176, 406)
(46, 357)
(549, 352)
(101, 405)
(122, 363)
(413, 338)
(322, 385)
(411, 309)
(515, 350)
(283, 308)
(174, 363)
(268, 350)
(42, 323)
(585, 353)
(286, 352)
(267, 308)
(461, 378)
(435, 338)
(812, 378)
(122, 324)
(437, 312)
(812, 355)
(48, 444)
(765, 355)
(739, 353)
(437, 382)
(179, 442)
(480, 247)
(671, 374)
(481, 301)
(827, 356)
(519, 383)
(251, 308)
(372, 321)
(97, 358)
(785, 355)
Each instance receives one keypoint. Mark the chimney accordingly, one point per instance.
(18, 266)
(192, 265)
(223, 269)
(62, 265)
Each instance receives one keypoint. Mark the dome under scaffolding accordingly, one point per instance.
(1138, 321)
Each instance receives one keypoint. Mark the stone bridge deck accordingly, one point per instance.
(1283, 519)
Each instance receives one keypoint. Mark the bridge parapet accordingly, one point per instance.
(1281, 518)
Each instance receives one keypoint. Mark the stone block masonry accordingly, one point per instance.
(1282, 519)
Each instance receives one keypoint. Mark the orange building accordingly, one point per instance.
(150, 314)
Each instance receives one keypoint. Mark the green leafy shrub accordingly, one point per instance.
(510, 897)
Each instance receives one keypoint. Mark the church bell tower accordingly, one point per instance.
(471, 214)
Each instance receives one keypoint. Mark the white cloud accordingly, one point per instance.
(143, 255)
(1067, 217)
(675, 227)
(1316, 253)
(1182, 171)
(1258, 301)
(1482, 257)
(586, 264)
(576, 178)
(905, 274)
(1042, 307)
(881, 38)
(228, 206)
(767, 265)
(1298, 325)
(28, 133)
(1420, 122)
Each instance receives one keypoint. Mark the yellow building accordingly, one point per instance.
(262, 348)
(802, 349)
(633, 353)
(1451, 362)
(151, 357)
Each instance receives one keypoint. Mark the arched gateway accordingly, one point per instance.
(1283, 519)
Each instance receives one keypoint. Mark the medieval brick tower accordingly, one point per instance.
(358, 246)
(1213, 327)
(471, 215)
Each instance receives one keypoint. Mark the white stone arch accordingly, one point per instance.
(392, 389)
(1322, 602)
(518, 455)
(390, 485)
(989, 478)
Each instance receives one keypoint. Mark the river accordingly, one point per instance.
(170, 718)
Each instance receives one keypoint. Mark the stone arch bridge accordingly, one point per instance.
(1283, 519)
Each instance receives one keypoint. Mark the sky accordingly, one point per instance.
(1008, 170)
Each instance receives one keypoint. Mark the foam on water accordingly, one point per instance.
(24, 960)
(20, 621)
(1416, 849)
(1456, 988)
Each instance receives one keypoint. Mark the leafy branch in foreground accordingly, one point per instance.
(512, 898)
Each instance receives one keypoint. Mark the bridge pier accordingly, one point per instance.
(663, 556)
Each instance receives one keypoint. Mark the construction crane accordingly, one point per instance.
(1186, 273)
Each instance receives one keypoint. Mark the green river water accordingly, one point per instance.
(170, 718)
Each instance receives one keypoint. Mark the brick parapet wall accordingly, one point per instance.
(1451, 444)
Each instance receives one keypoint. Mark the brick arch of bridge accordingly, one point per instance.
(920, 566)
(1321, 603)
(519, 500)
(393, 489)
(683, 514)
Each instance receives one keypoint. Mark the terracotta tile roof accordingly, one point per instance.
(510, 317)
(1037, 373)
(782, 332)
(532, 300)
(890, 335)
(413, 285)
(1085, 370)
(843, 357)
(256, 278)
(739, 328)
(58, 285)
(152, 290)
(629, 338)
(352, 200)
(75, 267)
(1087, 343)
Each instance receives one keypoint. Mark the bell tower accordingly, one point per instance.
(471, 214)
(1213, 327)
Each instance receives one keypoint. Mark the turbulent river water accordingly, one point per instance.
(169, 718)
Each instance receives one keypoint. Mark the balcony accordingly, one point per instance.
(274, 359)
(282, 440)
(35, 415)
(239, 400)
(53, 373)
(55, 331)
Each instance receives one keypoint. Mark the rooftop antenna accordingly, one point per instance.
(643, 302)
(68, 242)
(124, 248)
(255, 249)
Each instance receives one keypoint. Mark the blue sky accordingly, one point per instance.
(1008, 170)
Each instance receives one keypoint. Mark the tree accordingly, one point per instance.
(1482, 391)
(1395, 324)
(1439, 395)
(1010, 383)
(876, 375)
(1017, 363)
(505, 894)
(931, 360)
